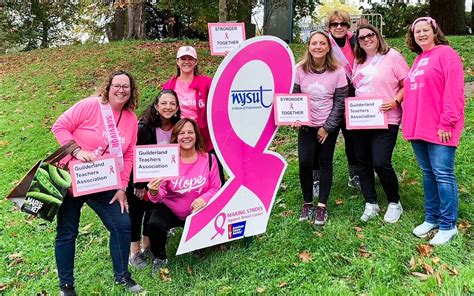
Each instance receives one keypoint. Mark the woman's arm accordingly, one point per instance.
(337, 111)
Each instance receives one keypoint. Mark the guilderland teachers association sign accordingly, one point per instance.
(242, 126)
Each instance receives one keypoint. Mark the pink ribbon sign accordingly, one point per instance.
(242, 126)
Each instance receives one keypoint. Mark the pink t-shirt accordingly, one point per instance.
(381, 76)
(162, 137)
(320, 88)
(187, 100)
(195, 180)
(83, 123)
(434, 96)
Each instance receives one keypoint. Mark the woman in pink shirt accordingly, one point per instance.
(154, 127)
(433, 120)
(176, 199)
(378, 71)
(85, 123)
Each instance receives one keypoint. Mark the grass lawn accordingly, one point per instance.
(346, 257)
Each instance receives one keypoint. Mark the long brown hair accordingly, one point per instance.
(200, 146)
(307, 63)
(132, 102)
(438, 35)
(382, 47)
(151, 116)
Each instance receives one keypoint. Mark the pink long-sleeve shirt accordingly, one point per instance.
(434, 96)
(195, 180)
(83, 123)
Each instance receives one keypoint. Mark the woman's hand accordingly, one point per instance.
(140, 193)
(154, 186)
(85, 156)
(322, 135)
(198, 204)
(122, 199)
(387, 106)
(296, 124)
(444, 137)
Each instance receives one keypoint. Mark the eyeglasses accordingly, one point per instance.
(118, 86)
(337, 24)
(368, 36)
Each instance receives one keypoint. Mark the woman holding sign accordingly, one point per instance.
(154, 127)
(320, 76)
(433, 120)
(378, 72)
(86, 123)
(176, 199)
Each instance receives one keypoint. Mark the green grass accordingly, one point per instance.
(36, 87)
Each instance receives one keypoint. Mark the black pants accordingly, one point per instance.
(374, 149)
(139, 211)
(161, 220)
(311, 151)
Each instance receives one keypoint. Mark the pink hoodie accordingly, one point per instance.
(83, 123)
(434, 96)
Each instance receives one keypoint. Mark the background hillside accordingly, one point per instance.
(345, 257)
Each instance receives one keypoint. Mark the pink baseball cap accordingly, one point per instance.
(186, 50)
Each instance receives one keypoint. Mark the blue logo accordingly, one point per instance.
(236, 229)
(250, 97)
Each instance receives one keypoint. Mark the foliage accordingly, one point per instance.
(397, 16)
(346, 257)
(329, 5)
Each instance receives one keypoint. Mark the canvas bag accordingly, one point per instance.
(41, 191)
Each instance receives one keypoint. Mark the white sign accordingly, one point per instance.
(290, 108)
(153, 161)
(223, 37)
(365, 113)
(91, 177)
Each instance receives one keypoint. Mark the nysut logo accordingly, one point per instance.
(236, 229)
(252, 98)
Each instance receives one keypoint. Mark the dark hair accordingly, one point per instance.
(195, 72)
(330, 62)
(360, 54)
(200, 146)
(132, 102)
(151, 117)
(438, 36)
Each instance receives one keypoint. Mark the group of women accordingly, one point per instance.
(428, 100)
(336, 65)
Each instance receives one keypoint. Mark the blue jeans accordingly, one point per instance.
(117, 224)
(441, 190)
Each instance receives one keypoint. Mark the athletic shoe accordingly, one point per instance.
(443, 236)
(354, 182)
(67, 290)
(157, 265)
(316, 189)
(370, 211)
(424, 229)
(148, 254)
(129, 284)
(321, 216)
(393, 213)
(138, 260)
(307, 212)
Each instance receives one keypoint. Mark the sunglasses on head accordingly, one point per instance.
(337, 24)
(368, 36)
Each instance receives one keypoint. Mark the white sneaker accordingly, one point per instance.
(443, 236)
(371, 210)
(424, 229)
(393, 213)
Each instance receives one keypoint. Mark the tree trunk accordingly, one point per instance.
(449, 15)
(136, 20)
(115, 29)
(222, 11)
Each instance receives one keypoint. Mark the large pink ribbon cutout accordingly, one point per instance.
(258, 171)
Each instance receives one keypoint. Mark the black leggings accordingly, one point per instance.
(311, 151)
(374, 149)
(139, 212)
(161, 220)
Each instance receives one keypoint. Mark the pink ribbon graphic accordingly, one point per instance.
(226, 35)
(111, 170)
(173, 158)
(258, 171)
(291, 106)
(219, 228)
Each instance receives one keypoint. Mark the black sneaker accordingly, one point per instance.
(67, 290)
(307, 212)
(321, 216)
(129, 284)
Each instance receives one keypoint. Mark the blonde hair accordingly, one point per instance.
(343, 15)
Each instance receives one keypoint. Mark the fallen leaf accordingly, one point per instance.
(412, 263)
(282, 284)
(464, 225)
(260, 290)
(165, 275)
(305, 256)
(318, 234)
(363, 252)
(428, 268)
(436, 260)
(420, 275)
(3, 287)
(339, 202)
(4, 143)
(360, 235)
(282, 205)
(452, 271)
(439, 281)
(424, 250)
(85, 229)
(287, 213)
(283, 186)
(190, 270)
(358, 229)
